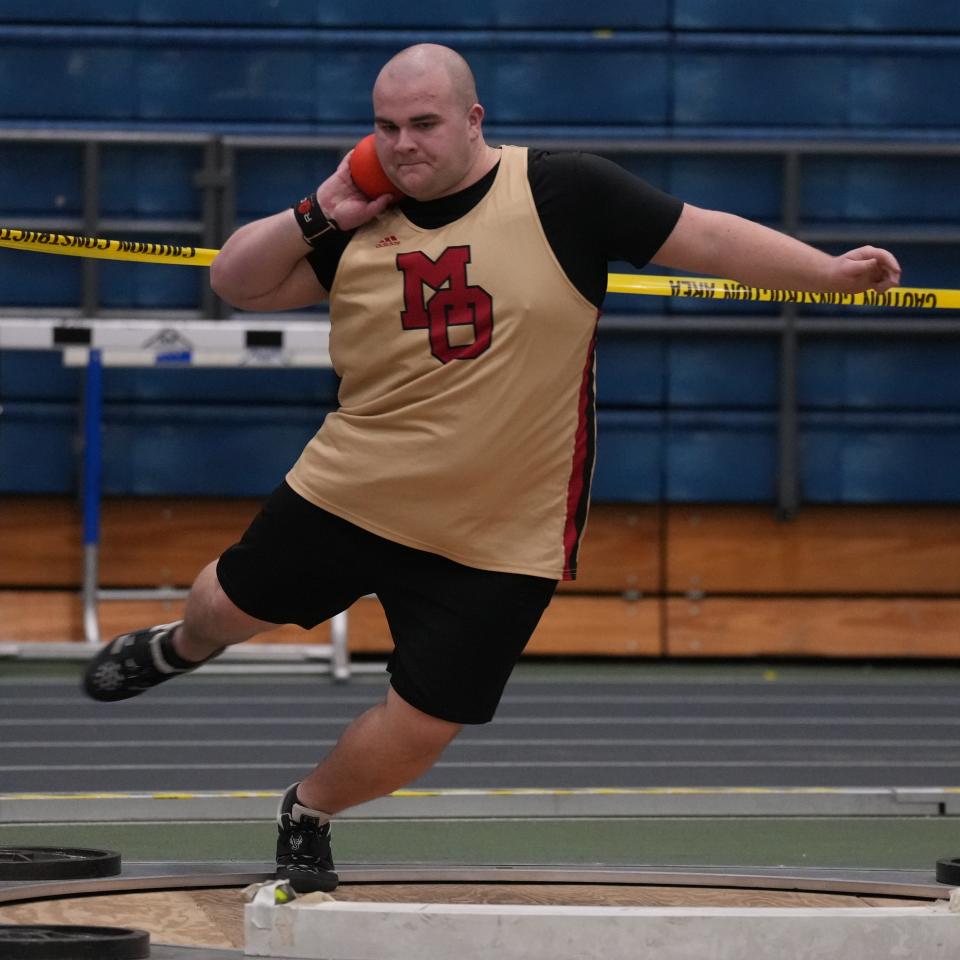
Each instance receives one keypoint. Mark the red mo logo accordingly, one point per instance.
(454, 303)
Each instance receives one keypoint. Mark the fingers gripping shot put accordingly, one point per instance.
(453, 479)
(366, 172)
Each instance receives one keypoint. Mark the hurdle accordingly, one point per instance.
(278, 343)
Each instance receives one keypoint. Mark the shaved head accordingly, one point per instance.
(428, 124)
(414, 62)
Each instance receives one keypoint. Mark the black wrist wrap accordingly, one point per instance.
(311, 219)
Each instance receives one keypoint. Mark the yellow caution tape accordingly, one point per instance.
(704, 288)
(99, 248)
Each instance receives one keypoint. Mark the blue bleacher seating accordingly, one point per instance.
(881, 458)
(846, 82)
(246, 450)
(313, 78)
(725, 456)
(629, 456)
(150, 286)
(682, 417)
(880, 190)
(270, 180)
(893, 16)
(426, 14)
(154, 182)
(40, 280)
(40, 180)
(637, 78)
(38, 448)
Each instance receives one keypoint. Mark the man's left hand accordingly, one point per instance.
(866, 268)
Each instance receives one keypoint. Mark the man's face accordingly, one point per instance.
(426, 137)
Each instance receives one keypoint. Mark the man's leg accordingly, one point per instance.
(134, 662)
(384, 748)
(388, 746)
(212, 621)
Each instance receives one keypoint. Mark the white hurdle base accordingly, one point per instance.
(403, 931)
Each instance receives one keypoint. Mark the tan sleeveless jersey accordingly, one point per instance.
(466, 418)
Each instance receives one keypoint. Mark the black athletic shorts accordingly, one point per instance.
(458, 631)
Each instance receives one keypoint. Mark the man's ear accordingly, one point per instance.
(475, 120)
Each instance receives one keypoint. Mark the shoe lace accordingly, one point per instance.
(313, 837)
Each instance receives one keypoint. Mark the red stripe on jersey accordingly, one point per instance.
(581, 471)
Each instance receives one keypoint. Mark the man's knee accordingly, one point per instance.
(213, 618)
(424, 733)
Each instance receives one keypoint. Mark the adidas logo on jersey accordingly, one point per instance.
(389, 241)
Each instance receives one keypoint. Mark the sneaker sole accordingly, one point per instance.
(309, 882)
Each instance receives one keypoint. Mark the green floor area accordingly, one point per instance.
(893, 843)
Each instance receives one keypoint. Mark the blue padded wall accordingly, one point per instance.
(427, 14)
(880, 16)
(682, 417)
(754, 80)
(286, 76)
(730, 454)
(156, 450)
(38, 448)
(170, 431)
(242, 451)
(38, 281)
(881, 190)
(870, 458)
(37, 180)
(29, 12)
(897, 16)
(630, 456)
(81, 78)
(267, 180)
(151, 183)
(308, 79)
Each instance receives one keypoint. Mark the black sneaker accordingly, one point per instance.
(130, 664)
(303, 847)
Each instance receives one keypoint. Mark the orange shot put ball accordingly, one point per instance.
(367, 173)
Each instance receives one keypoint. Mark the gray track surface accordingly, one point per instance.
(652, 728)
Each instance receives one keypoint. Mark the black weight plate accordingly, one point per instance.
(65, 942)
(57, 863)
(948, 871)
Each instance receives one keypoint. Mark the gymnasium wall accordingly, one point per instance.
(682, 418)
(685, 419)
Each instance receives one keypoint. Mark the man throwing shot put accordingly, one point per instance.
(453, 480)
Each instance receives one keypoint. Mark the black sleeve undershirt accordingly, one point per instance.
(325, 257)
(592, 211)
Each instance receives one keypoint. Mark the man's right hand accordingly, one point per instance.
(342, 201)
(263, 265)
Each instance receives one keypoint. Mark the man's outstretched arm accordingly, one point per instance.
(728, 246)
